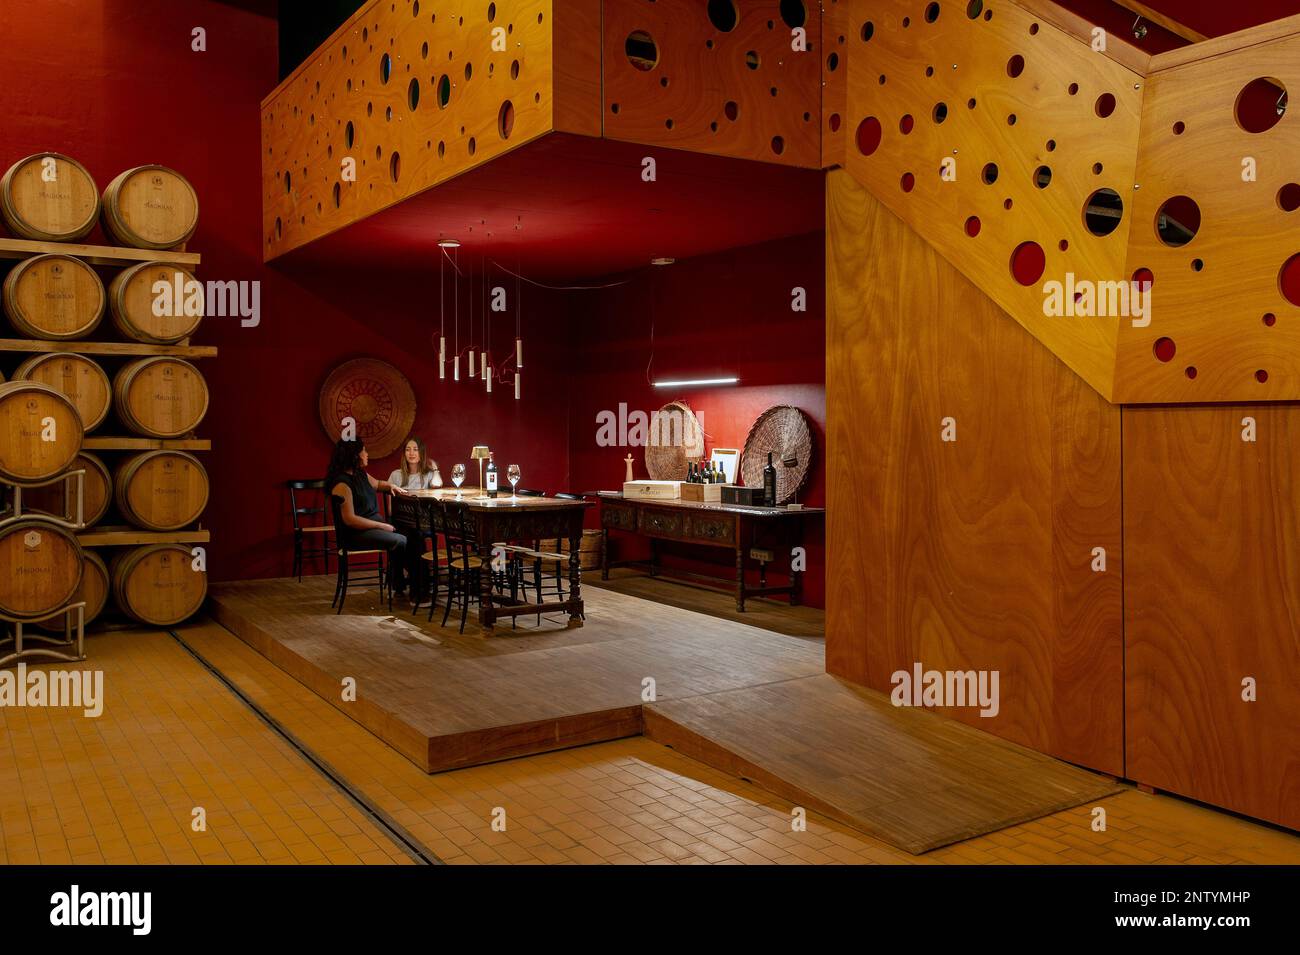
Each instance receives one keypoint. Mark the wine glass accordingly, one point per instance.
(458, 478)
(512, 473)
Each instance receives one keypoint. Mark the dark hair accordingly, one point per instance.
(345, 459)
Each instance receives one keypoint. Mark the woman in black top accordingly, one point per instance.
(361, 528)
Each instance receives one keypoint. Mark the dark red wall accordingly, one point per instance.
(714, 316)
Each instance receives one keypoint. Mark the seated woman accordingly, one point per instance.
(359, 508)
(417, 472)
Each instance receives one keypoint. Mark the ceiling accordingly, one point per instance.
(569, 207)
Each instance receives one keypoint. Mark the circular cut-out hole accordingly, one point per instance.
(473, 145)
(1063, 245)
(1103, 211)
(1105, 105)
(989, 173)
(514, 70)
(793, 13)
(349, 134)
(338, 194)
(442, 148)
(395, 165)
(1178, 220)
(972, 226)
(970, 103)
(1164, 349)
(731, 110)
(1143, 279)
(835, 122)
(1042, 176)
(1072, 89)
(868, 31)
(613, 108)
(492, 11)
(1261, 376)
(506, 119)
(1260, 104)
(1288, 197)
(931, 12)
(1190, 371)
(385, 68)
(778, 145)
(752, 59)
(905, 124)
(668, 124)
(1269, 319)
(868, 135)
(413, 93)
(1096, 169)
(641, 50)
(1015, 66)
(832, 62)
(1198, 265)
(723, 15)
(974, 8)
(1033, 29)
(1011, 120)
(1006, 204)
(469, 71)
(1288, 279)
(1051, 145)
(940, 112)
(907, 182)
(1179, 128)
(444, 91)
(1028, 262)
(279, 228)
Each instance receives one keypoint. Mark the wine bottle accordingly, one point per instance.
(690, 472)
(491, 476)
(769, 483)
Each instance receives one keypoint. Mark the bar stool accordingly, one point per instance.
(297, 514)
(374, 571)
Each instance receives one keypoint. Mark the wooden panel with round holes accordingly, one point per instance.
(40, 431)
(131, 299)
(49, 198)
(42, 564)
(718, 77)
(161, 397)
(1225, 304)
(414, 93)
(54, 297)
(157, 584)
(1031, 125)
(79, 378)
(835, 88)
(161, 490)
(97, 492)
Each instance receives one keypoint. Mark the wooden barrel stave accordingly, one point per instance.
(24, 454)
(97, 492)
(150, 207)
(160, 397)
(157, 585)
(53, 296)
(43, 562)
(93, 590)
(49, 197)
(161, 490)
(78, 378)
(131, 299)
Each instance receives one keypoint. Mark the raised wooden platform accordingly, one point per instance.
(445, 700)
(913, 779)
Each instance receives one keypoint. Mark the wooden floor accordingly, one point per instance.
(446, 700)
(913, 779)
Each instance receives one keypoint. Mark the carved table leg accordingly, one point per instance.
(604, 553)
(740, 579)
(575, 579)
(486, 615)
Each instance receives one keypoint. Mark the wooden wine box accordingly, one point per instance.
(702, 493)
(653, 490)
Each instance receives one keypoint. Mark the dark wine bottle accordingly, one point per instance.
(690, 473)
(769, 483)
(491, 476)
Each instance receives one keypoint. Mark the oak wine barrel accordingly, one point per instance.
(161, 490)
(96, 495)
(53, 296)
(43, 567)
(150, 207)
(161, 397)
(93, 590)
(78, 378)
(40, 431)
(49, 197)
(155, 584)
(131, 298)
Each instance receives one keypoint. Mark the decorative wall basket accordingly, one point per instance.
(674, 439)
(377, 396)
(784, 431)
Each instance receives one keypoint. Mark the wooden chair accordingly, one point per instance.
(462, 562)
(300, 512)
(372, 563)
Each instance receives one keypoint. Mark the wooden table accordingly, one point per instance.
(762, 533)
(504, 519)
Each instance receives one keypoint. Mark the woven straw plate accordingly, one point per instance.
(783, 430)
(377, 395)
(674, 440)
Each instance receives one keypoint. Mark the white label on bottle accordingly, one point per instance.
(492, 480)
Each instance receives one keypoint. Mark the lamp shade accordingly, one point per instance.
(480, 452)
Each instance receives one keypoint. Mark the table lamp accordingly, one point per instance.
(480, 454)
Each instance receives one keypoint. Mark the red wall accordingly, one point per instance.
(714, 316)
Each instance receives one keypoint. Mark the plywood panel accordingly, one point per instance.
(1008, 92)
(1211, 295)
(577, 54)
(835, 71)
(742, 92)
(973, 554)
(1212, 596)
(356, 98)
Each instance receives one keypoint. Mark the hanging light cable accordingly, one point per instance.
(519, 318)
(471, 319)
(442, 317)
(455, 366)
(487, 331)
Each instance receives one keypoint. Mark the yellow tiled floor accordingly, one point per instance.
(120, 789)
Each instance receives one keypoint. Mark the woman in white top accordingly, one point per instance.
(417, 472)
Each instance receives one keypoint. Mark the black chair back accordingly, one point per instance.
(529, 492)
(299, 511)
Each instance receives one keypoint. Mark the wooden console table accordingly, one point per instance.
(765, 534)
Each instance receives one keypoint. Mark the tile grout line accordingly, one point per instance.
(395, 831)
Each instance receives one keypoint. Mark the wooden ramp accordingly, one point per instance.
(913, 779)
(446, 700)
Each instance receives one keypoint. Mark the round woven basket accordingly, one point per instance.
(783, 430)
(673, 441)
(377, 396)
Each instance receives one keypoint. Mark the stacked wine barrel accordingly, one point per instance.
(127, 384)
